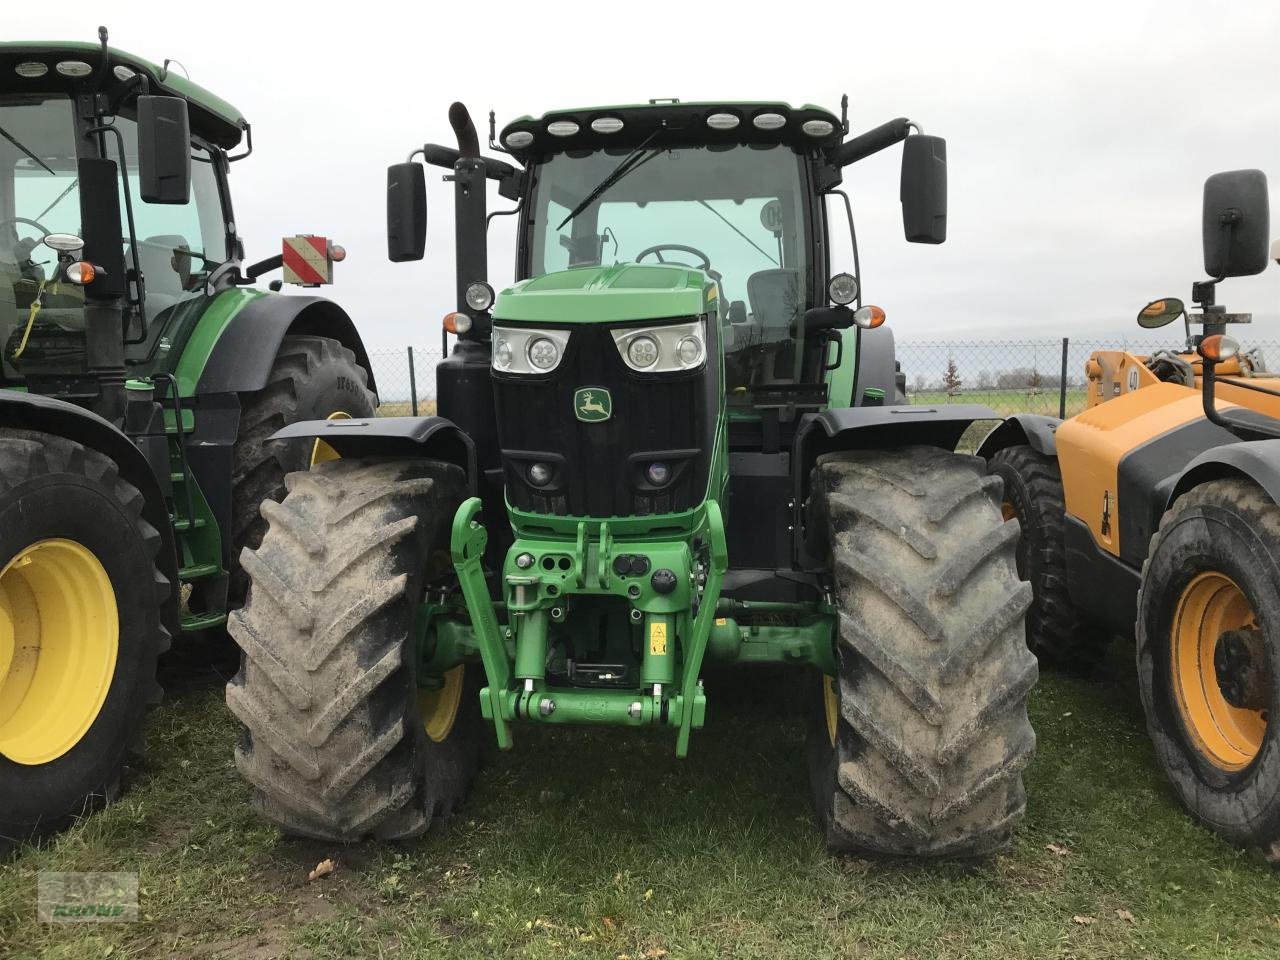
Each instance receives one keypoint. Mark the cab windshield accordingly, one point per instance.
(737, 212)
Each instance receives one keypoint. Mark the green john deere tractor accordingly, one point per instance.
(673, 441)
(140, 380)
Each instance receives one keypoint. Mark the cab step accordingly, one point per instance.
(202, 621)
(199, 571)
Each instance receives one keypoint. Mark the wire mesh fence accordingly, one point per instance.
(1011, 376)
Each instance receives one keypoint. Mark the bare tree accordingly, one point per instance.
(951, 379)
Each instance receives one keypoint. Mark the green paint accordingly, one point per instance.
(228, 118)
(212, 323)
(840, 380)
(592, 404)
(624, 291)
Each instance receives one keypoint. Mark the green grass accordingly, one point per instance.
(600, 844)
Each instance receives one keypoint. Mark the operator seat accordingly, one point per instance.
(775, 303)
(165, 284)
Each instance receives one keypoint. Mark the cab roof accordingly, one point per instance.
(670, 121)
(211, 116)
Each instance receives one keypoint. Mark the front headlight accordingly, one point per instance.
(668, 349)
(527, 349)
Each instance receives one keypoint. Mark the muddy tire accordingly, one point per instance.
(1209, 658)
(311, 378)
(1057, 633)
(55, 492)
(921, 749)
(333, 738)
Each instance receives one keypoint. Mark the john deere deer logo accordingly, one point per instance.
(592, 404)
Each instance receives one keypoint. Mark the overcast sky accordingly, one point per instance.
(1079, 134)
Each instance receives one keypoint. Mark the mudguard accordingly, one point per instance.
(241, 359)
(1033, 429)
(432, 438)
(1258, 460)
(862, 428)
(29, 411)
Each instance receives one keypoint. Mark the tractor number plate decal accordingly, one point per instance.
(592, 404)
(657, 639)
(306, 260)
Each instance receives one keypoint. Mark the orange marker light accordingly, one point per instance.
(457, 322)
(81, 272)
(868, 317)
(1218, 347)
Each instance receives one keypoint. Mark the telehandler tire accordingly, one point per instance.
(80, 631)
(1059, 636)
(1209, 658)
(339, 740)
(312, 379)
(917, 748)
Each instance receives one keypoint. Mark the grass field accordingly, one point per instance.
(602, 845)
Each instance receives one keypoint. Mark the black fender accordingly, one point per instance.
(433, 438)
(29, 411)
(241, 359)
(1256, 460)
(871, 428)
(876, 364)
(1033, 429)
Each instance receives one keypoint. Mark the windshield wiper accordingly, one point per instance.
(10, 137)
(732, 227)
(630, 162)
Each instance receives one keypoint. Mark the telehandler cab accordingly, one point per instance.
(1156, 512)
(667, 443)
(141, 376)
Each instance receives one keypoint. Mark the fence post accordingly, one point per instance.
(1062, 382)
(413, 385)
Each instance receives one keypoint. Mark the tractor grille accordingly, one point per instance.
(599, 468)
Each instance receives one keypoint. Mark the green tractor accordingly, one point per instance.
(141, 377)
(674, 441)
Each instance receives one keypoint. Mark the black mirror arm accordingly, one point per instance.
(248, 142)
(506, 176)
(255, 270)
(827, 318)
(873, 141)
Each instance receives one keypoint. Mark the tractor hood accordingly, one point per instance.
(618, 293)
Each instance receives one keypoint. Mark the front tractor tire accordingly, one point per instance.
(80, 632)
(1209, 658)
(917, 748)
(338, 740)
(312, 378)
(1057, 633)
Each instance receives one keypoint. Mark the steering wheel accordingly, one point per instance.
(714, 274)
(44, 231)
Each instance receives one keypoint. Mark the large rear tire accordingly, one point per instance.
(312, 378)
(1209, 658)
(1057, 633)
(80, 631)
(338, 740)
(917, 748)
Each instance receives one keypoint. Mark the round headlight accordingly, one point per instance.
(524, 561)
(769, 121)
(502, 355)
(658, 474)
(817, 128)
(689, 350)
(479, 296)
(562, 128)
(543, 353)
(539, 474)
(643, 351)
(519, 139)
(843, 289)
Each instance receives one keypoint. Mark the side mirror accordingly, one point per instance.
(1159, 313)
(817, 319)
(164, 150)
(924, 189)
(1236, 223)
(406, 212)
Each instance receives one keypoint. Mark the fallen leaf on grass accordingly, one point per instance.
(608, 923)
(1083, 920)
(655, 953)
(1060, 849)
(648, 894)
(323, 869)
(1125, 915)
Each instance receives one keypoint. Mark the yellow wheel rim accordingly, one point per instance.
(439, 707)
(321, 452)
(59, 638)
(1229, 736)
(830, 706)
